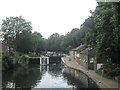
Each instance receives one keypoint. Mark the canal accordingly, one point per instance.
(52, 76)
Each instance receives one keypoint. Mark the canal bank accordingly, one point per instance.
(100, 81)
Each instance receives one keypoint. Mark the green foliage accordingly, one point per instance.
(16, 32)
(15, 59)
(31, 54)
(13, 26)
(103, 27)
(66, 42)
(37, 42)
(69, 48)
(23, 42)
(10, 61)
(53, 42)
(109, 70)
(22, 59)
(7, 62)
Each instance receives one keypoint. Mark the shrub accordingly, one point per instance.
(15, 59)
(7, 62)
(109, 70)
(22, 59)
(32, 54)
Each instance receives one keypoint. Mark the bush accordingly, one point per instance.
(15, 59)
(7, 62)
(32, 54)
(22, 59)
(109, 70)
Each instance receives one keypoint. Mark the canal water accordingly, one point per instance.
(52, 76)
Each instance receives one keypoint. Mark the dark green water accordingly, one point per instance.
(53, 76)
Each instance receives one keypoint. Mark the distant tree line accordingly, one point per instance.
(102, 27)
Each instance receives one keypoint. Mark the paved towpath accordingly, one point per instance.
(101, 81)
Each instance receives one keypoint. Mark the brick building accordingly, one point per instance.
(85, 56)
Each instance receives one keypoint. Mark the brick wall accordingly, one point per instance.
(84, 60)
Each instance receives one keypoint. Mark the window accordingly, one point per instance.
(91, 60)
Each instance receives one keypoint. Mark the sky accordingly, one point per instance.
(49, 16)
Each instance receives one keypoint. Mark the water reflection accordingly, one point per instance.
(22, 77)
(78, 79)
(53, 76)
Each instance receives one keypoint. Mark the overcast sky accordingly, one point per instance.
(49, 16)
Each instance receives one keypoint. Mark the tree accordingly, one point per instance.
(12, 27)
(53, 42)
(103, 28)
(38, 42)
(24, 42)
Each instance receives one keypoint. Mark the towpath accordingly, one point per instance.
(101, 81)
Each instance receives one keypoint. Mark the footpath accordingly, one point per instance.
(100, 81)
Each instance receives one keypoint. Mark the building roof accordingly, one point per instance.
(88, 51)
(80, 48)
